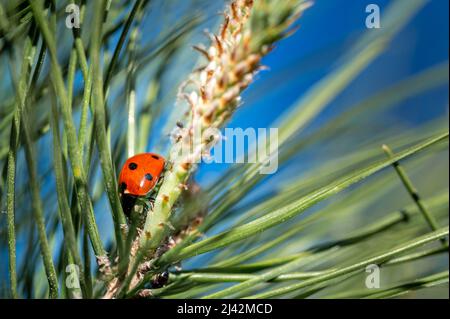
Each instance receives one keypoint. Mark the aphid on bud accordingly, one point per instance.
(160, 280)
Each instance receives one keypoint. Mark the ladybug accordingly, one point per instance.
(138, 177)
(160, 280)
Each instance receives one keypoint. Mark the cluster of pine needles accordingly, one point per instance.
(75, 103)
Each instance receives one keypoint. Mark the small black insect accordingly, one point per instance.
(160, 280)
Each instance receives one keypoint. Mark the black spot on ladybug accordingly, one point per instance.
(123, 186)
(155, 157)
(132, 166)
(148, 177)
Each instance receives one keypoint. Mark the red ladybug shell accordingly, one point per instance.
(140, 173)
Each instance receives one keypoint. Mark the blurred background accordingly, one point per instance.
(327, 34)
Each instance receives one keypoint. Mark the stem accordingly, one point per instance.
(425, 282)
(74, 153)
(87, 74)
(253, 282)
(123, 35)
(200, 277)
(22, 92)
(394, 291)
(100, 128)
(373, 229)
(71, 75)
(412, 191)
(430, 237)
(87, 264)
(131, 92)
(38, 214)
(34, 185)
(417, 255)
(64, 207)
(82, 131)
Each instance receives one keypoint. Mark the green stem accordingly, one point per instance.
(28, 53)
(38, 214)
(373, 229)
(100, 128)
(131, 90)
(123, 36)
(199, 277)
(87, 264)
(397, 290)
(34, 185)
(71, 75)
(254, 281)
(378, 259)
(87, 74)
(4, 23)
(74, 154)
(64, 207)
(417, 255)
(412, 191)
(421, 283)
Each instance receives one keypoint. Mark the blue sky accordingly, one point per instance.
(326, 30)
